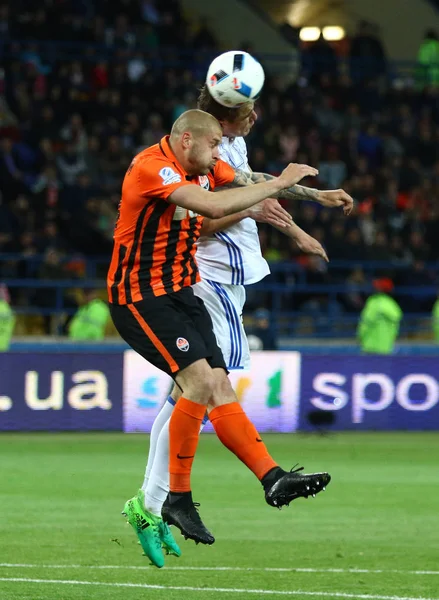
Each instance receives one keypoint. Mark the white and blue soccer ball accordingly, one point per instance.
(234, 78)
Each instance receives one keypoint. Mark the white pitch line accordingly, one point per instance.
(240, 569)
(184, 588)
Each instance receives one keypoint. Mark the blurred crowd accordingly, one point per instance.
(73, 114)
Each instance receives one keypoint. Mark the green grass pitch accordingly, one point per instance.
(374, 534)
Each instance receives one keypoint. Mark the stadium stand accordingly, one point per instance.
(83, 87)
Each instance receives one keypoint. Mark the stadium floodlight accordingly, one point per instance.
(333, 33)
(309, 34)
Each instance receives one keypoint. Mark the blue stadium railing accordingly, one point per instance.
(96, 267)
(318, 308)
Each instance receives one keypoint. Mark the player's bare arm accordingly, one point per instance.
(267, 211)
(305, 242)
(227, 202)
(211, 226)
(327, 198)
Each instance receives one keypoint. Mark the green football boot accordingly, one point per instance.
(170, 546)
(147, 528)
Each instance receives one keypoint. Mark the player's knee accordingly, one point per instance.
(223, 392)
(197, 383)
(201, 390)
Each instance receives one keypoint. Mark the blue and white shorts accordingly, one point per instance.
(225, 303)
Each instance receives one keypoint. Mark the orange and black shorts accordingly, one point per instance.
(170, 331)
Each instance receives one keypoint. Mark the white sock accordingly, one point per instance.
(160, 420)
(156, 486)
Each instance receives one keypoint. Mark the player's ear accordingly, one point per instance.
(187, 140)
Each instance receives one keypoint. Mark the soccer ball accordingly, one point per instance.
(234, 78)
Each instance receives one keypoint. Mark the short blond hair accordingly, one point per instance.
(222, 113)
(197, 122)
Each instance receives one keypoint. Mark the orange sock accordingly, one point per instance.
(238, 434)
(184, 431)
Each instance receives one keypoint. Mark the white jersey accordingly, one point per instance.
(233, 256)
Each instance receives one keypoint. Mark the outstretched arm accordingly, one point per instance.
(267, 211)
(295, 192)
(328, 198)
(228, 202)
(305, 242)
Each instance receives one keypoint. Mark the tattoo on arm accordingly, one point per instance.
(299, 192)
(296, 192)
(242, 179)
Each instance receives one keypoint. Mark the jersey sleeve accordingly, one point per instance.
(158, 178)
(223, 174)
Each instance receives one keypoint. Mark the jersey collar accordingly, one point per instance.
(167, 151)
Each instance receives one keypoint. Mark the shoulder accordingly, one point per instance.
(222, 174)
(235, 152)
(220, 165)
(147, 157)
(152, 164)
(395, 305)
(238, 144)
(101, 305)
(241, 144)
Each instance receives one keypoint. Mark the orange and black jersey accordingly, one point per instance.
(154, 240)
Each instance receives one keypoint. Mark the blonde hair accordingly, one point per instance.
(222, 113)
